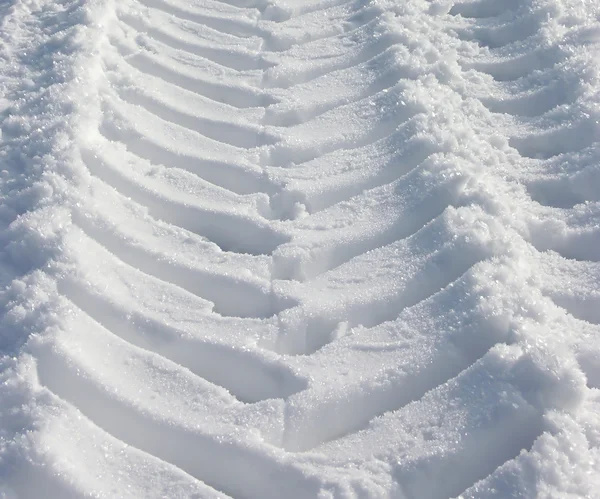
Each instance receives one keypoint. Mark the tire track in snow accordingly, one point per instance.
(260, 239)
(233, 22)
(407, 377)
(547, 137)
(231, 296)
(365, 50)
(178, 74)
(212, 362)
(239, 60)
(192, 450)
(309, 271)
(419, 490)
(290, 154)
(544, 141)
(232, 134)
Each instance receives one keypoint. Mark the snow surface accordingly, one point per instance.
(300, 248)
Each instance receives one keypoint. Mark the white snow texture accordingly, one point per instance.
(294, 249)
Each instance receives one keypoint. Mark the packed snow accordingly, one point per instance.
(270, 249)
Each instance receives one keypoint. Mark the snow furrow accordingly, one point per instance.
(499, 33)
(179, 75)
(482, 9)
(132, 428)
(376, 296)
(210, 361)
(260, 238)
(231, 296)
(227, 57)
(368, 42)
(233, 23)
(230, 133)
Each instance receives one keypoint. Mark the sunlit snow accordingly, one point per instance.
(297, 249)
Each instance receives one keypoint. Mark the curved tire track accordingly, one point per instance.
(335, 274)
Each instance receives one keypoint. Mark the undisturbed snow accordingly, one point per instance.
(300, 248)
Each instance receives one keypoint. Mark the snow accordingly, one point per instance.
(285, 248)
